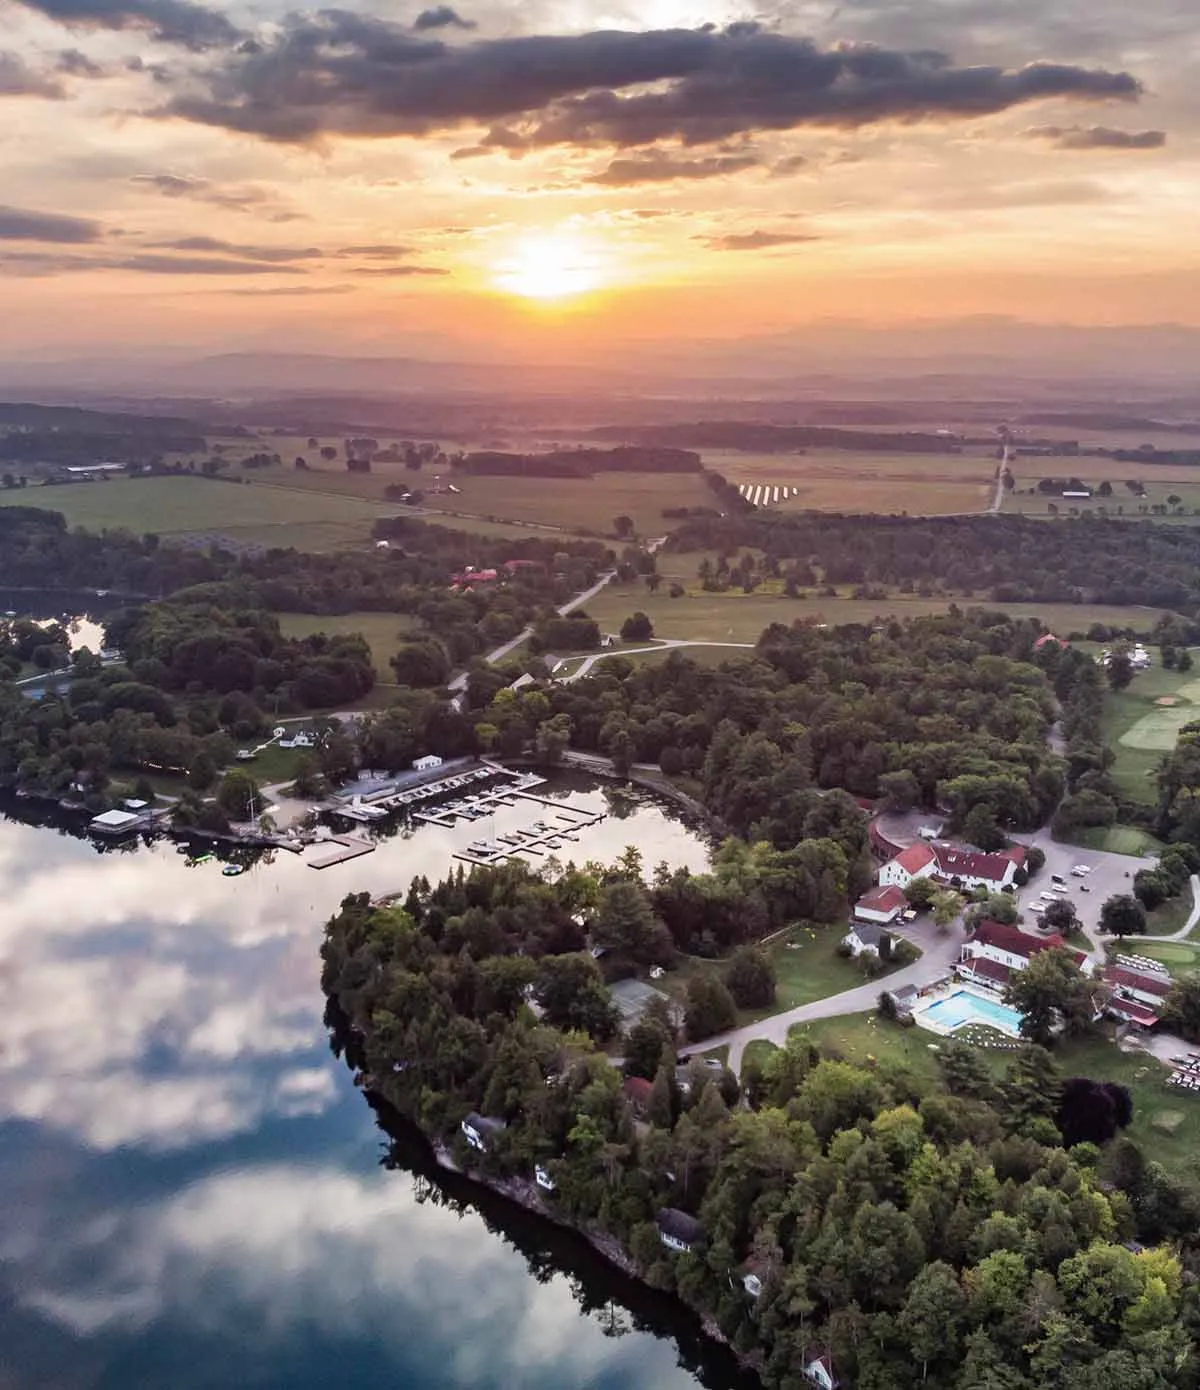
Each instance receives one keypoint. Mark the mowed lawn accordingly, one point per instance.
(1179, 957)
(737, 617)
(1142, 723)
(384, 631)
(169, 506)
(844, 480)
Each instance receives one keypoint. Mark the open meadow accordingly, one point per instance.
(178, 505)
(841, 480)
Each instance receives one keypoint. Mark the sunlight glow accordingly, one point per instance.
(549, 266)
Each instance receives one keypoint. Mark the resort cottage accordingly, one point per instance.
(428, 763)
(864, 938)
(678, 1231)
(964, 868)
(882, 905)
(994, 950)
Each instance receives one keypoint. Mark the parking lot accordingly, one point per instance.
(1109, 874)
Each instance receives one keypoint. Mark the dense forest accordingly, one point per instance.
(1008, 559)
(581, 463)
(948, 710)
(914, 1232)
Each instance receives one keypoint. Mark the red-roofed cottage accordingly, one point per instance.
(917, 861)
(883, 905)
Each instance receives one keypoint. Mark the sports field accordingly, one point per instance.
(247, 512)
(841, 480)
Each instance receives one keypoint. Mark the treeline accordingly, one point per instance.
(950, 710)
(781, 439)
(913, 1232)
(38, 550)
(581, 463)
(1008, 559)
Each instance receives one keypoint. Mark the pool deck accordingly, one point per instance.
(948, 991)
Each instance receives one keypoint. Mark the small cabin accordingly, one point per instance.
(480, 1131)
(428, 763)
(678, 1231)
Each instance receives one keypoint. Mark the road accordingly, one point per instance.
(940, 951)
(998, 500)
(459, 683)
(665, 645)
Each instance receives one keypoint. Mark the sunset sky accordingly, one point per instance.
(383, 178)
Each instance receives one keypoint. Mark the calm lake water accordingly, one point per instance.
(194, 1192)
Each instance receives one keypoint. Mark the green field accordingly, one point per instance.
(737, 617)
(1118, 839)
(1140, 731)
(845, 480)
(384, 631)
(171, 506)
(807, 967)
(1178, 956)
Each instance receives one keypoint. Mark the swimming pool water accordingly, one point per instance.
(963, 1007)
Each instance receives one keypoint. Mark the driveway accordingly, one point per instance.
(1108, 874)
(666, 644)
(940, 951)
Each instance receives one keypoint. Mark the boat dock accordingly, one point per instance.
(365, 809)
(348, 847)
(542, 837)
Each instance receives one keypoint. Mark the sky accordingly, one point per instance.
(561, 177)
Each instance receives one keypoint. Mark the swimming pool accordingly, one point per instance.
(964, 1006)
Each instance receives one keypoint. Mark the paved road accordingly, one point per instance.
(459, 683)
(940, 952)
(665, 645)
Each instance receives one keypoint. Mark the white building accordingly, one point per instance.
(428, 763)
(965, 868)
(864, 938)
(994, 950)
(917, 861)
(881, 905)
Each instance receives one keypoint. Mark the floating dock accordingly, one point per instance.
(540, 838)
(347, 848)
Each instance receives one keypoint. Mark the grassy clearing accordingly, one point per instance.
(172, 506)
(1118, 839)
(737, 617)
(807, 967)
(384, 631)
(1140, 731)
(1171, 916)
(865, 1039)
(1178, 956)
(850, 480)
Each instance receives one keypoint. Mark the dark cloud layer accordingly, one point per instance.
(1098, 137)
(400, 270)
(657, 166)
(45, 263)
(257, 201)
(18, 79)
(336, 73)
(757, 241)
(171, 21)
(441, 17)
(208, 245)
(18, 224)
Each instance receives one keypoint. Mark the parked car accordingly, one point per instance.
(1081, 870)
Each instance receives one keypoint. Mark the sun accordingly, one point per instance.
(550, 266)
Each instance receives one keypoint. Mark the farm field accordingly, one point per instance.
(1123, 507)
(384, 631)
(841, 480)
(1142, 723)
(169, 506)
(737, 617)
(570, 504)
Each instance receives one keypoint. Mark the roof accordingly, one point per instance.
(1124, 978)
(485, 1124)
(1002, 937)
(889, 899)
(115, 820)
(969, 863)
(869, 933)
(673, 1222)
(904, 992)
(1048, 637)
(637, 1089)
(915, 858)
(1133, 1011)
(991, 969)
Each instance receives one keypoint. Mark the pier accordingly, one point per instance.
(348, 847)
(542, 837)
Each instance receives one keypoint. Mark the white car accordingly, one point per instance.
(1060, 891)
(1081, 870)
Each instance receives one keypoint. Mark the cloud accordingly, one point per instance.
(247, 198)
(17, 79)
(399, 270)
(379, 251)
(1029, 194)
(277, 291)
(73, 63)
(441, 17)
(657, 166)
(788, 165)
(215, 246)
(18, 224)
(39, 264)
(1098, 137)
(757, 241)
(170, 21)
(337, 73)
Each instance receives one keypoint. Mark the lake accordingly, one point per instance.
(197, 1196)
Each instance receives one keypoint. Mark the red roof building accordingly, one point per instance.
(882, 904)
(1046, 638)
(1147, 985)
(914, 862)
(976, 870)
(1132, 1012)
(1010, 945)
(987, 972)
(637, 1092)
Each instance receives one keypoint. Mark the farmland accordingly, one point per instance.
(247, 513)
(841, 480)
